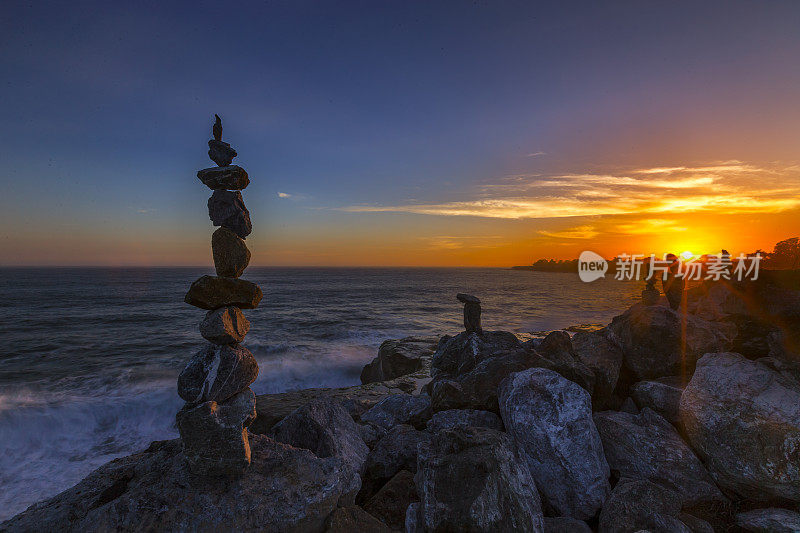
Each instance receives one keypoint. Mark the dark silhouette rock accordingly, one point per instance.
(471, 479)
(220, 152)
(210, 292)
(743, 420)
(650, 294)
(657, 341)
(230, 252)
(472, 312)
(640, 505)
(603, 358)
(285, 489)
(216, 373)
(459, 418)
(230, 177)
(550, 420)
(459, 354)
(389, 504)
(226, 325)
(645, 446)
(354, 519)
(216, 130)
(325, 428)
(226, 208)
(214, 434)
(399, 357)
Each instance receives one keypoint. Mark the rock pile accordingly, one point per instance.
(215, 382)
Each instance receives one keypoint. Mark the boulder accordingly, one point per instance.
(210, 292)
(662, 395)
(603, 358)
(325, 428)
(354, 519)
(214, 435)
(557, 347)
(399, 409)
(743, 419)
(550, 421)
(389, 504)
(231, 177)
(230, 252)
(220, 152)
(358, 399)
(769, 521)
(216, 373)
(460, 354)
(394, 452)
(398, 357)
(461, 418)
(657, 341)
(226, 208)
(565, 524)
(636, 505)
(646, 446)
(226, 325)
(695, 524)
(471, 479)
(285, 489)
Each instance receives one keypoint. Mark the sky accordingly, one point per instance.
(385, 133)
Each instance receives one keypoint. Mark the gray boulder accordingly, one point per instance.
(550, 420)
(231, 177)
(657, 341)
(460, 354)
(226, 325)
(769, 521)
(743, 420)
(209, 292)
(399, 357)
(603, 358)
(662, 395)
(231, 255)
(399, 409)
(639, 505)
(396, 451)
(565, 524)
(325, 428)
(646, 446)
(214, 435)
(471, 479)
(460, 418)
(285, 489)
(226, 208)
(216, 373)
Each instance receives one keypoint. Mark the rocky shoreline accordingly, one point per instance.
(663, 420)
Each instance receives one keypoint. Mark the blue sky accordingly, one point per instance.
(357, 110)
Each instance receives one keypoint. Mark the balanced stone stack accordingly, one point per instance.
(216, 382)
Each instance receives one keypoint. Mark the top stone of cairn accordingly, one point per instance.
(220, 152)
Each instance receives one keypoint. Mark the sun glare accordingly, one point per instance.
(687, 255)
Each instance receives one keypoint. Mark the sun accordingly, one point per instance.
(687, 255)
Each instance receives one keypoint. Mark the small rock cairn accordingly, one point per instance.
(216, 382)
(472, 312)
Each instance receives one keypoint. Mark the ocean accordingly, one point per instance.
(90, 356)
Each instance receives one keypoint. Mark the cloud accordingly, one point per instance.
(579, 232)
(284, 195)
(450, 242)
(535, 154)
(730, 187)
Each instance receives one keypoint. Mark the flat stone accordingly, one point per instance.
(550, 420)
(214, 435)
(467, 298)
(231, 177)
(226, 208)
(216, 373)
(226, 325)
(209, 292)
(399, 357)
(285, 489)
(220, 152)
(230, 252)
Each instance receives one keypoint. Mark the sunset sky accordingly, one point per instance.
(399, 133)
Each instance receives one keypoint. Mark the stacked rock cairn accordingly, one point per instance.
(216, 382)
